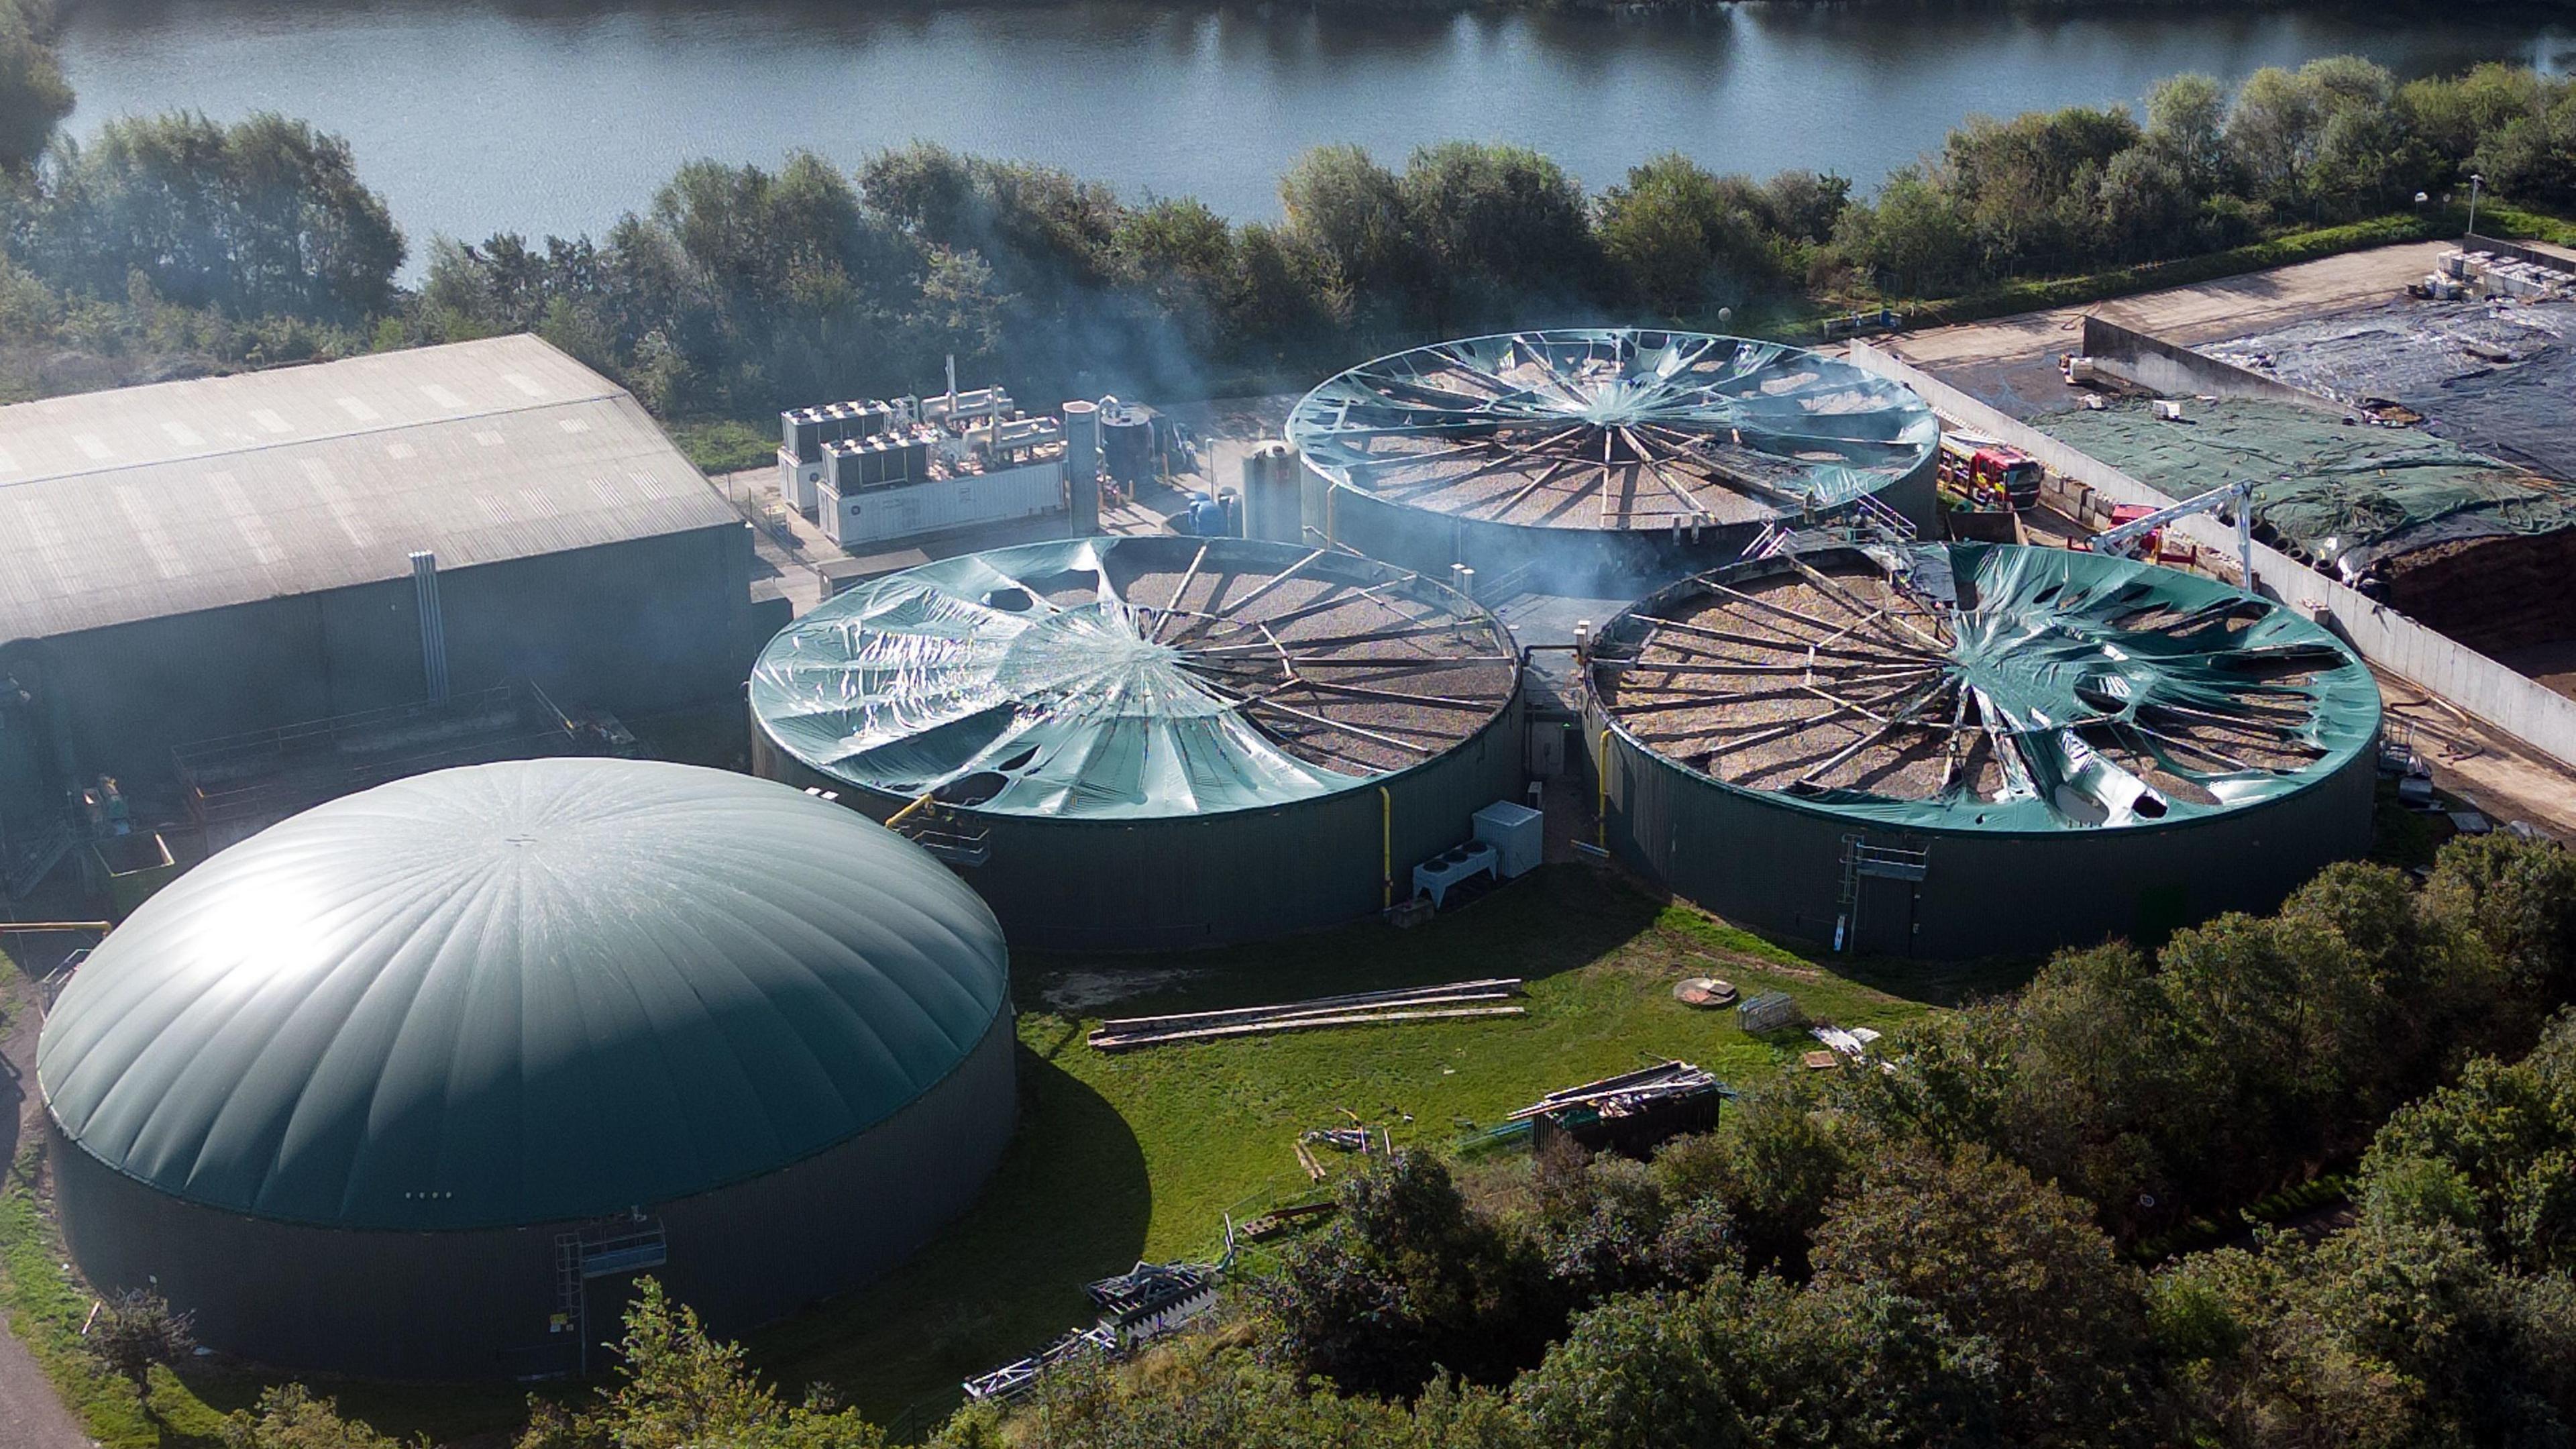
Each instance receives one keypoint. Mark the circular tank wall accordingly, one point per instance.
(1583, 458)
(1154, 743)
(1967, 749)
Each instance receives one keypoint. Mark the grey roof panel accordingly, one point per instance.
(147, 501)
(521, 993)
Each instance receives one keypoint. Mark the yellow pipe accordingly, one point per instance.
(98, 926)
(1601, 801)
(905, 813)
(1386, 846)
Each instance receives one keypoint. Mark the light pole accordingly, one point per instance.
(2476, 184)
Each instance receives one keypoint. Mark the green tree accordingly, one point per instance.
(2016, 1271)
(2325, 141)
(1774, 1162)
(2494, 1154)
(1606, 1226)
(1407, 1280)
(2517, 900)
(1353, 212)
(265, 217)
(680, 1388)
(1915, 239)
(2187, 127)
(291, 1416)
(2028, 188)
(1506, 229)
(1683, 244)
(33, 94)
(2390, 1334)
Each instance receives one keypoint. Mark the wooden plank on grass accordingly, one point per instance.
(1101, 1041)
(1405, 995)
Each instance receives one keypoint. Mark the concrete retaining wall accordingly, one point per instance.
(2551, 260)
(2152, 362)
(2510, 702)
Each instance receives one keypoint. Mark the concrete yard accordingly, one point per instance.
(2012, 361)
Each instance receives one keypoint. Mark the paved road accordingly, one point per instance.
(31, 1417)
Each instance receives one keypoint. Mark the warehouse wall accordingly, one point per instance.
(2158, 365)
(635, 627)
(474, 1305)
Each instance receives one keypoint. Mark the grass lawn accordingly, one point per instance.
(1138, 1155)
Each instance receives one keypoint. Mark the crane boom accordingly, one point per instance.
(2122, 539)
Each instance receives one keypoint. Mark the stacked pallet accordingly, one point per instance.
(1458, 999)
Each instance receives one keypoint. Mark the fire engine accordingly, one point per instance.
(1978, 475)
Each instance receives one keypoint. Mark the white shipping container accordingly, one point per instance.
(797, 482)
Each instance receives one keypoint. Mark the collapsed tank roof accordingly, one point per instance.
(1984, 687)
(520, 993)
(1613, 428)
(1133, 678)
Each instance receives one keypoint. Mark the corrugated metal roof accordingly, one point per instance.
(521, 993)
(147, 501)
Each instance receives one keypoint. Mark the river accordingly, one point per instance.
(541, 116)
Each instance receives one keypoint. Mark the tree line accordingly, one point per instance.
(741, 289)
(1942, 1250)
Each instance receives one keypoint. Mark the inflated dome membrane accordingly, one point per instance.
(520, 993)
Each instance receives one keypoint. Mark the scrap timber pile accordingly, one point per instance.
(1455, 1001)
(1628, 1092)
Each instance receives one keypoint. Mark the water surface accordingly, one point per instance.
(477, 115)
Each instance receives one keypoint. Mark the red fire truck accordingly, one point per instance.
(1978, 475)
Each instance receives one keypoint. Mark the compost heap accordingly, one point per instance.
(2482, 551)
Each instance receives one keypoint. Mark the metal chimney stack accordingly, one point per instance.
(1272, 504)
(1082, 466)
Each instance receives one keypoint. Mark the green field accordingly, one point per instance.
(1140, 1154)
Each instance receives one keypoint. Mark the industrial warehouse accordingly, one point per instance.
(307, 567)
(465, 1021)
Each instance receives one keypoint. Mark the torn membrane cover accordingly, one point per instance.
(1133, 678)
(1993, 687)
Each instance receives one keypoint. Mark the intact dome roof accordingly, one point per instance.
(520, 993)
